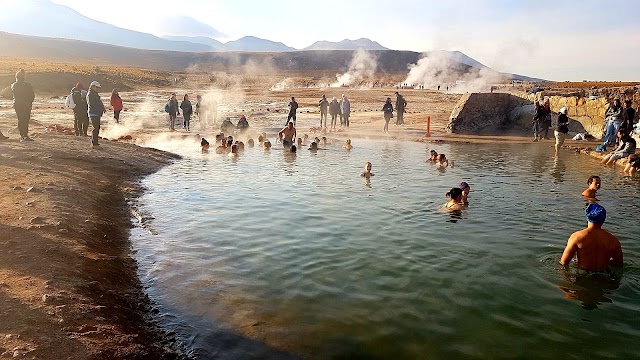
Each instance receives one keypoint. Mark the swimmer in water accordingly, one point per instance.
(313, 146)
(596, 248)
(266, 145)
(347, 145)
(204, 145)
(442, 162)
(367, 170)
(593, 186)
(465, 192)
(305, 139)
(293, 149)
(250, 143)
(287, 134)
(324, 141)
(455, 194)
(433, 156)
(234, 151)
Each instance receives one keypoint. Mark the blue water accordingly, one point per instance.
(273, 256)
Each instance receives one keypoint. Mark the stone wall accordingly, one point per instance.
(477, 113)
(589, 113)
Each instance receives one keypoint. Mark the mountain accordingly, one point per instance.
(59, 21)
(346, 44)
(213, 44)
(459, 57)
(254, 44)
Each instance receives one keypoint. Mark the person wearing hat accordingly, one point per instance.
(23, 96)
(596, 248)
(80, 115)
(562, 128)
(95, 111)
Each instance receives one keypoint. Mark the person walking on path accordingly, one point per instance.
(293, 108)
(23, 96)
(334, 110)
(116, 103)
(323, 104)
(174, 110)
(401, 104)
(345, 109)
(187, 110)
(96, 110)
(80, 114)
(388, 114)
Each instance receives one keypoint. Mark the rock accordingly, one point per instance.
(37, 220)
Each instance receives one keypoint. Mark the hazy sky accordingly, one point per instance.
(560, 40)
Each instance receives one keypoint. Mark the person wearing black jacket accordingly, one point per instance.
(174, 111)
(80, 115)
(95, 109)
(537, 119)
(562, 128)
(334, 110)
(187, 110)
(23, 96)
(628, 117)
(293, 109)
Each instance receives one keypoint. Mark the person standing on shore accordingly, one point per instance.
(334, 110)
(345, 109)
(546, 118)
(116, 103)
(80, 111)
(562, 128)
(401, 104)
(293, 109)
(614, 121)
(387, 109)
(324, 104)
(23, 97)
(96, 110)
(174, 110)
(537, 120)
(187, 110)
(628, 116)
(595, 248)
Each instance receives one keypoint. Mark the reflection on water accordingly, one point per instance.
(292, 252)
(590, 289)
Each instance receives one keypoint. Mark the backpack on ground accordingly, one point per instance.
(69, 103)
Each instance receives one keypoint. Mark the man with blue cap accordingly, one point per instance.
(596, 248)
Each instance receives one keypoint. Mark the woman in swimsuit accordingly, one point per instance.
(455, 194)
(433, 156)
(347, 145)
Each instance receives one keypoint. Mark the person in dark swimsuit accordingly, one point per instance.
(455, 194)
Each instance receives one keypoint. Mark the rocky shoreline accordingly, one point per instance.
(68, 284)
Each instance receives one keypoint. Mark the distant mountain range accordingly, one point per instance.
(58, 21)
(52, 29)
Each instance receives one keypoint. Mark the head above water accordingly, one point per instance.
(454, 194)
(595, 213)
(367, 166)
(464, 185)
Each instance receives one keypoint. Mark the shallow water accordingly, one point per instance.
(273, 256)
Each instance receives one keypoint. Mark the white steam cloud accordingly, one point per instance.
(438, 69)
(362, 69)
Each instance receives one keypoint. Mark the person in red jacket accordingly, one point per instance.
(116, 103)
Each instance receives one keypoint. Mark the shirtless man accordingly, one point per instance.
(597, 249)
(594, 186)
(287, 134)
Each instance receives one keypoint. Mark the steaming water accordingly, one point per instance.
(275, 257)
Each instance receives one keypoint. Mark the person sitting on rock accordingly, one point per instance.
(626, 147)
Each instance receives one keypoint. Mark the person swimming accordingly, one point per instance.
(250, 143)
(595, 248)
(299, 142)
(442, 161)
(324, 141)
(347, 145)
(433, 156)
(204, 145)
(465, 192)
(266, 145)
(293, 149)
(234, 151)
(367, 170)
(455, 194)
(313, 146)
(593, 186)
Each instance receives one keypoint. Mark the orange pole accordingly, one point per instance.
(428, 134)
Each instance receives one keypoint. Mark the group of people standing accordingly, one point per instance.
(173, 107)
(387, 109)
(87, 107)
(336, 109)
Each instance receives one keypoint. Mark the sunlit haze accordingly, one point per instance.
(559, 40)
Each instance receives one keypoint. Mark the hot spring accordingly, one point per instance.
(278, 256)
